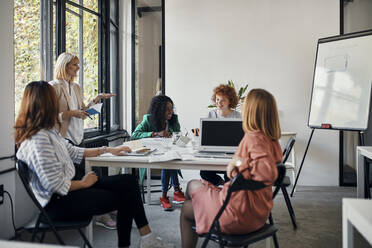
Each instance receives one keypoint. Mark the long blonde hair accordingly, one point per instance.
(60, 70)
(260, 113)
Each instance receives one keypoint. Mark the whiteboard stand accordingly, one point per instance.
(302, 162)
(366, 165)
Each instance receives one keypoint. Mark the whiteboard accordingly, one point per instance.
(342, 82)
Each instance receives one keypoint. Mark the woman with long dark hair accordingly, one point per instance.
(51, 161)
(162, 122)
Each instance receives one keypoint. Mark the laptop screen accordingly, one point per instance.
(220, 135)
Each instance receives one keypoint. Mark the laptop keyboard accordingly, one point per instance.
(213, 155)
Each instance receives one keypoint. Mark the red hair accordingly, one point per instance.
(228, 92)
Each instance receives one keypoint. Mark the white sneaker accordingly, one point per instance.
(106, 221)
(154, 242)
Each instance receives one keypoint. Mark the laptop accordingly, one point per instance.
(219, 138)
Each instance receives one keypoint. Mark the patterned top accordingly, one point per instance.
(214, 115)
(50, 160)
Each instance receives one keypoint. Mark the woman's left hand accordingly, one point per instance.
(103, 96)
(119, 150)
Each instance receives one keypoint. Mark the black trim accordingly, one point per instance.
(163, 46)
(60, 27)
(7, 170)
(140, 10)
(133, 88)
(83, 8)
(107, 81)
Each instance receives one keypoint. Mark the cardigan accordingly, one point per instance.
(65, 103)
(145, 128)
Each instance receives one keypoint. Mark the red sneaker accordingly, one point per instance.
(167, 206)
(178, 197)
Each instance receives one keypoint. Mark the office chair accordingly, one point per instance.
(242, 240)
(286, 183)
(42, 223)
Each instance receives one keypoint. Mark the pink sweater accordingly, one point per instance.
(247, 211)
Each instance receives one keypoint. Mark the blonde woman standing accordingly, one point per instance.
(72, 111)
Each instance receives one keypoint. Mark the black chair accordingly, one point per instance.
(286, 183)
(243, 240)
(42, 223)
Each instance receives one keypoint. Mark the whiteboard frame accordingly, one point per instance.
(331, 39)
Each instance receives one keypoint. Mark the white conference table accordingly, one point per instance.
(356, 213)
(143, 162)
(362, 152)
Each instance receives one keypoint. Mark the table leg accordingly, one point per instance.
(360, 174)
(148, 182)
(89, 232)
(347, 229)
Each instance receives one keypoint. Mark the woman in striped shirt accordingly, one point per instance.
(51, 162)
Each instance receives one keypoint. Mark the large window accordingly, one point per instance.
(87, 28)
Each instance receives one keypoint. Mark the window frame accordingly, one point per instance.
(105, 23)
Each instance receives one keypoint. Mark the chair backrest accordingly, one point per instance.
(240, 183)
(24, 174)
(288, 148)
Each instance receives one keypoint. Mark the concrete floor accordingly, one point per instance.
(318, 212)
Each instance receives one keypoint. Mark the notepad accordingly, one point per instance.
(94, 109)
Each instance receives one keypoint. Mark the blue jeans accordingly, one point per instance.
(165, 175)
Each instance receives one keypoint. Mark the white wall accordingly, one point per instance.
(6, 112)
(268, 44)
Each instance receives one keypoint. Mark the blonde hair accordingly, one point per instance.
(60, 70)
(260, 113)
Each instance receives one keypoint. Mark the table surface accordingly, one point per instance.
(359, 213)
(16, 244)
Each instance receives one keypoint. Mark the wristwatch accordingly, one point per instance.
(104, 149)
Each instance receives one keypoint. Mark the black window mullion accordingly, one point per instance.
(100, 56)
(106, 17)
(60, 27)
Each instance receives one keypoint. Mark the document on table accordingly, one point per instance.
(94, 109)
(169, 156)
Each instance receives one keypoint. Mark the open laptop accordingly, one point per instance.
(219, 138)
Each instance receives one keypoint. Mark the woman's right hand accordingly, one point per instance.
(89, 179)
(81, 114)
(163, 133)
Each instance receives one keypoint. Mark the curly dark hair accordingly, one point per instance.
(157, 112)
(228, 92)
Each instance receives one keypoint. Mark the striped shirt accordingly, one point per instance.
(50, 159)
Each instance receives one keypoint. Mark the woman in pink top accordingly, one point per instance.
(258, 153)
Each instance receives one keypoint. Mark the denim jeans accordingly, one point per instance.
(165, 176)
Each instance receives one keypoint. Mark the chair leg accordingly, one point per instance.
(36, 229)
(42, 237)
(289, 206)
(276, 243)
(86, 241)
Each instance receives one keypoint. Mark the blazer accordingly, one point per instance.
(145, 128)
(64, 101)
